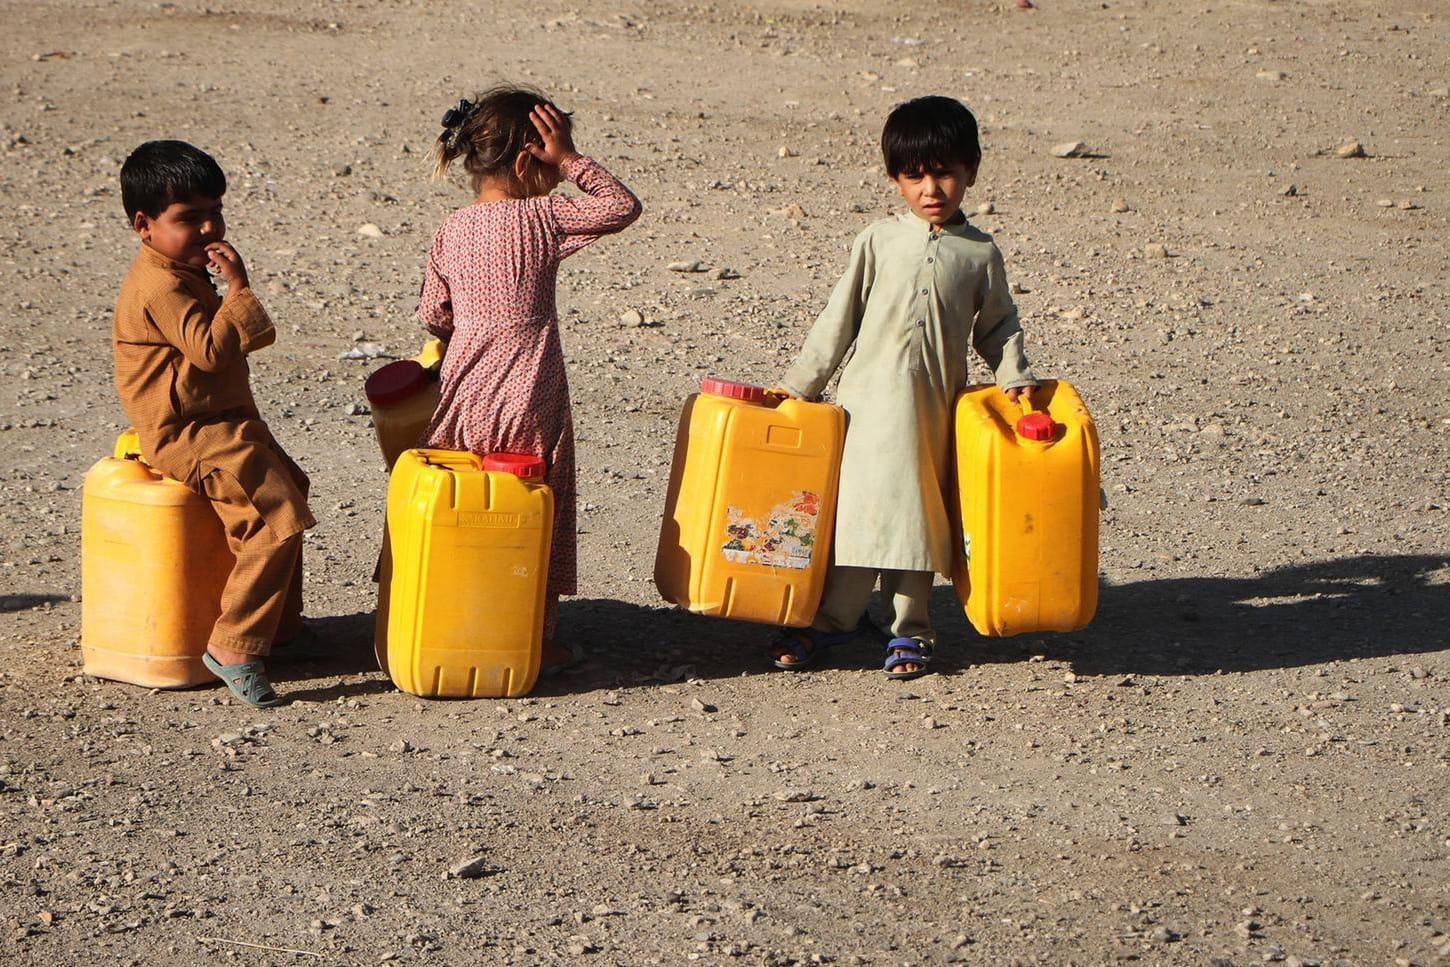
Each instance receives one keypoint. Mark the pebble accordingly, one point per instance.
(1155, 250)
(686, 266)
(470, 868)
(1272, 76)
(369, 230)
(986, 208)
(726, 273)
(631, 317)
(796, 795)
(1070, 149)
(1121, 205)
(1351, 149)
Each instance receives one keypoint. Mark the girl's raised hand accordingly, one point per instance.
(553, 128)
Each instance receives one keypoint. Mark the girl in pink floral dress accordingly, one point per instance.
(489, 294)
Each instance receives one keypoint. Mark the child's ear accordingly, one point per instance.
(141, 222)
(523, 163)
(972, 173)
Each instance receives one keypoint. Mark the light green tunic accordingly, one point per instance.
(911, 302)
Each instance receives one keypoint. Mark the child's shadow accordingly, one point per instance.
(1360, 607)
(348, 643)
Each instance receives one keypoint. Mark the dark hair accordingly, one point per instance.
(929, 133)
(161, 172)
(489, 131)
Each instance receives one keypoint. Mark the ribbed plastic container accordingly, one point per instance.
(461, 591)
(751, 505)
(154, 559)
(1028, 498)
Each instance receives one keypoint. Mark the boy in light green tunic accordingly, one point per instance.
(921, 289)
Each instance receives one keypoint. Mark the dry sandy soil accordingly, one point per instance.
(1244, 759)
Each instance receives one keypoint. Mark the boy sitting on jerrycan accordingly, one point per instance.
(181, 372)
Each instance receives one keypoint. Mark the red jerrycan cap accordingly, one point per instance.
(519, 464)
(395, 382)
(748, 392)
(1036, 426)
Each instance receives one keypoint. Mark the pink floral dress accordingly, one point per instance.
(489, 291)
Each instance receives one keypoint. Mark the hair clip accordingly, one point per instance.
(455, 116)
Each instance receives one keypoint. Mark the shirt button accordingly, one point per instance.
(930, 259)
(925, 291)
(920, 322)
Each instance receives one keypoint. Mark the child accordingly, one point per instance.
(181, 372)
(919, 289)
(488, 292)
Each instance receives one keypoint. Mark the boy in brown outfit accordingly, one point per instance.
(181, 372)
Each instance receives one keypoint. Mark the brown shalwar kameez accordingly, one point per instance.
(181, 372)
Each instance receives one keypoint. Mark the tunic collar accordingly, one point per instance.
(961, 227)
(153, 257)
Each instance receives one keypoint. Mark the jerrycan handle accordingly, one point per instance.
(1034, 425)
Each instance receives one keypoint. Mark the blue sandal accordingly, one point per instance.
(907, 651)
(803, 646)
(247, 680)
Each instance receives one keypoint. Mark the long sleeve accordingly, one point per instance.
(836, 327)
(435, 301)
(210, 341)
(606, 206)
(997, 335)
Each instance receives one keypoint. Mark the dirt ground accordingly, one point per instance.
(1244, 759)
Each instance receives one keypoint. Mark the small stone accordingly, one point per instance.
(1252, 501)
(631, 317)
(785, 152)
(1274, 76)
(369, 230)
(358, 409)
(796, 795)
(1155, 250)
(1385, 203)
(700, 706)
(1163, 935)
(1120, 205)
(342, 171)
(986, 208)
(1351, 149)
(1289, 191)
(470, 868)
(1406, 205)
(726, 273)
(689, 265)
(1071, 149)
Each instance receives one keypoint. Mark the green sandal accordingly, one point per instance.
(247, 680)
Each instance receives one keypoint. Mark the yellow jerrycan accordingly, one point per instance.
(461, 590)
(402, 396)
(154, 559)
(1027, 485)
(751, 505)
